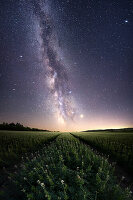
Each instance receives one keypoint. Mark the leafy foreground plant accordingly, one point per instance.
(67, 169)
(13, 144)
(119, 145)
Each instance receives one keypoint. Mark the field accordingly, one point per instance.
(13, 144)
(118, 145)
(56, 166)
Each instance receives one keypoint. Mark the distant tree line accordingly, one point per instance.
(112, 130)
(17, 127)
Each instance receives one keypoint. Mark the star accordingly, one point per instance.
(81, 116)
(126, 21)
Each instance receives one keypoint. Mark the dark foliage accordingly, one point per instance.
(17, 127)
(111, 130)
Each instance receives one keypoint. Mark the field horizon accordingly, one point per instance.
(19, 126)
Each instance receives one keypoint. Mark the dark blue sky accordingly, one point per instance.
(66, 64)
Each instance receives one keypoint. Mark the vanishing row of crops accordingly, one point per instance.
(13, 144)
(118, 145)
(65, 170)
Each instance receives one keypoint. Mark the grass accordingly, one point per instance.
(118, 145)
(14, 144)
(66, 169)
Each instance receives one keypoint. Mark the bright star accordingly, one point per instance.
(126, 21)
(81, 116)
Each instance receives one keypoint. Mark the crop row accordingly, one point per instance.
(13, 144)
(117, 145)
(66, 170)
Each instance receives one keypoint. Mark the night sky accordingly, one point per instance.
(66, 64)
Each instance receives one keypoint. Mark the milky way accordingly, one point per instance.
(56, 77)
(66, 65)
